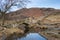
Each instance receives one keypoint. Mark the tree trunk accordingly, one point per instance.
(3, 18)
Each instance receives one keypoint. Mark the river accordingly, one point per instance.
(32, 36)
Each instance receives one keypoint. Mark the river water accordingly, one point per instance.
(32, 36)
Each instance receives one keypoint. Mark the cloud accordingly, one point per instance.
(44, 3)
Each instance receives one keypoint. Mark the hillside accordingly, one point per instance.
(24, 13)
(31, 12)
(37, 13)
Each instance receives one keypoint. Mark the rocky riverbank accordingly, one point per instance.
(10, 31)
(49, 28)
(51, 33)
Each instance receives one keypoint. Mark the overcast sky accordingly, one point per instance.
(44, 3)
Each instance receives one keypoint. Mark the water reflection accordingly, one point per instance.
(32, 36)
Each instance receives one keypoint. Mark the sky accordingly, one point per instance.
(40, 4)
(44, 3)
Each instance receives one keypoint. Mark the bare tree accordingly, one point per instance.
(6, 5)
